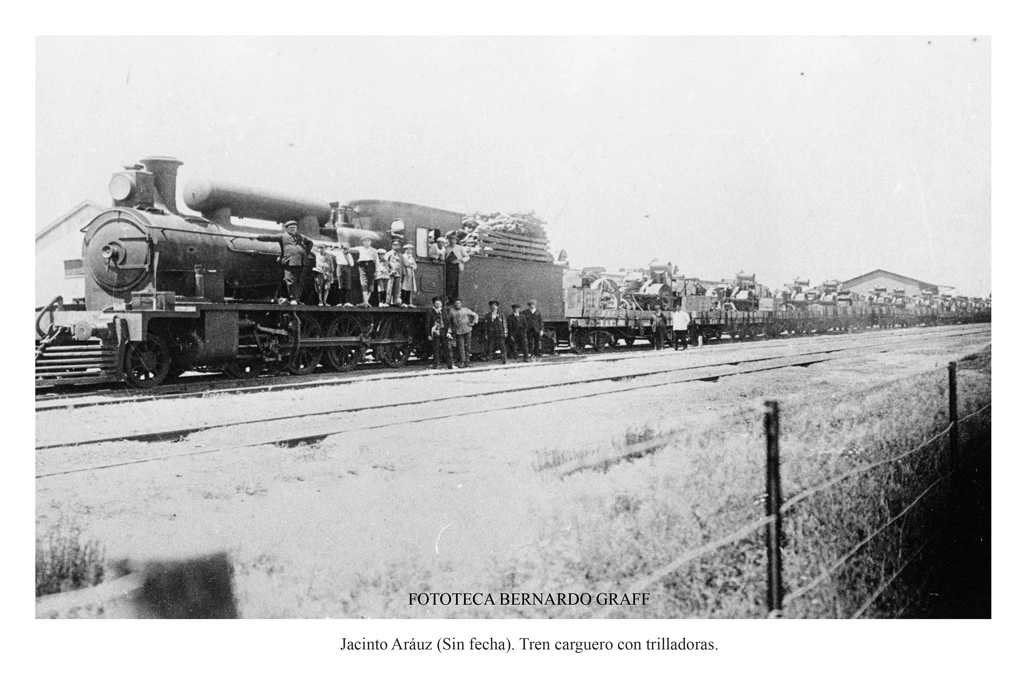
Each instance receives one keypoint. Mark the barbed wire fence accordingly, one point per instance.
(900, 500)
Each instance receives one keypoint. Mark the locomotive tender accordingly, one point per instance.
(167, 292)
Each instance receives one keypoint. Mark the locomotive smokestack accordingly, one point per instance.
(165, 177)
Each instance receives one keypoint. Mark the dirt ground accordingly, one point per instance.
(312, 528)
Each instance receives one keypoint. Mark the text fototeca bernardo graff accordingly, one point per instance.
(528, 599)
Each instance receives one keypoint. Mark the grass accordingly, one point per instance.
(67, 560)
(618, 520)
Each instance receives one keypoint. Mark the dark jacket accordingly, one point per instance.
(293, 247)
(534, 321)
(516, 326)
(494, 326)
(441, 320)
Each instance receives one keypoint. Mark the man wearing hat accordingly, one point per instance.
(408, 275)
(495, 331)
(439, 331)
(294, 248)
(517, 333)
(455, 258)
(534, 327)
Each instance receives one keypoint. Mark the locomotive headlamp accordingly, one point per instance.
(122, 187)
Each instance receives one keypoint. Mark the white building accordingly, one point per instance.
(865, 284)
(59, 255)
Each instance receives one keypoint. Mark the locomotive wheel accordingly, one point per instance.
(243, 368)
(146, 363)
(307, 360)
(601, 340)
(343, 358)
(394, 355)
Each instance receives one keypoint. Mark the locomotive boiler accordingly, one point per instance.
(144, 244)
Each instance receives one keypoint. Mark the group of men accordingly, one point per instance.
(680, 327)
(386, 278)
(520, 331)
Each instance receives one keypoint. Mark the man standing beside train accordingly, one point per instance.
(463, 320)
(294, 251)
(681, 329)
(439, 331)
(517, 333)
(495, 331)
(534, 327)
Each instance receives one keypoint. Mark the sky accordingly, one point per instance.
(801, 157)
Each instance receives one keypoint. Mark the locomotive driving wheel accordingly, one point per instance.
(307, 359)
(394, 355)
(343, 358)
(146, 363)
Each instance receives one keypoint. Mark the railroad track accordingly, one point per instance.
(204, 386)
(299, 434)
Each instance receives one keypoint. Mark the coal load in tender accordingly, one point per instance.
(516, 235)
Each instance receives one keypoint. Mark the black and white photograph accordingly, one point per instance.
(514, 328)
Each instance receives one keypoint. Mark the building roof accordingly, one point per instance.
(920, 284)
(95, 207)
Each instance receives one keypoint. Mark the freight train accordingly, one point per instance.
(167, 292)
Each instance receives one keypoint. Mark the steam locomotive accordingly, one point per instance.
(167, 292)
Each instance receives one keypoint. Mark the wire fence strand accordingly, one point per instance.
(881, 589)
(800, 592)
(669, 439)
(807, 493)
(689, 557)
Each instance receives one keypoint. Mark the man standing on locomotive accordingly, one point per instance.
(294, 250)
(534, 328)
(455, 258)
(439, 331)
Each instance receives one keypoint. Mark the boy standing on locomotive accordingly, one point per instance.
(396, 268)
(294, 251)
(366, 262)
(408, 275)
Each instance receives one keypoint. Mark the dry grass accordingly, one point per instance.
(617, 521)
(67, 560)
